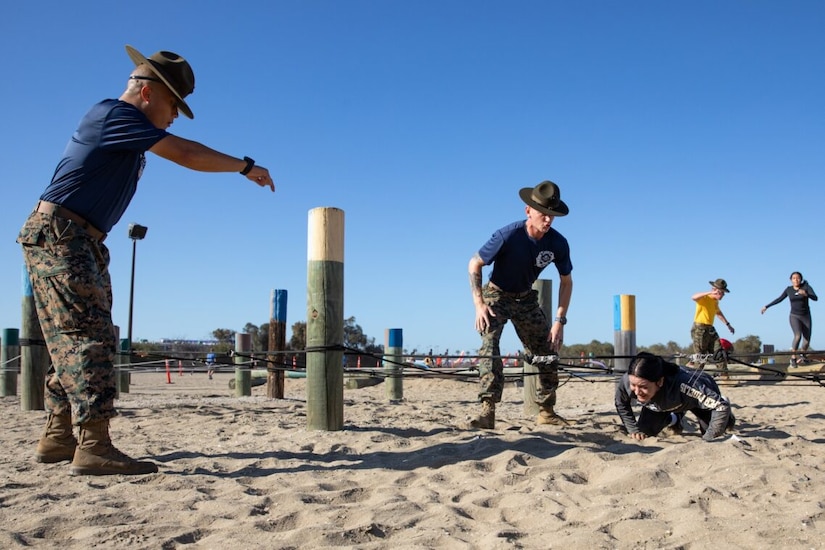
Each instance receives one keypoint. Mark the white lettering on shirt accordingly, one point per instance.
(705, 400)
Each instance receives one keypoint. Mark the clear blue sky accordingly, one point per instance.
(688, 139)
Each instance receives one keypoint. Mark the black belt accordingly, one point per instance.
(515, 295)
(52, 209)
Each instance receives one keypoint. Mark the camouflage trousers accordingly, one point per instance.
(69, 274)
(532, 328)
(706, 341)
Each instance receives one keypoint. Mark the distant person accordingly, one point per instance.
(519, 252)
(428, 360)
(68, 264)
(705, 338)
(666, 392)
(799, 293)
(210, 364)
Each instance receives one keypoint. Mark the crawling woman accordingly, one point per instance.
(666, 392)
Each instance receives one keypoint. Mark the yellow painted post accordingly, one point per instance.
(624, 330)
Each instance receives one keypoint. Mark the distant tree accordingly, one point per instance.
(298, 341)
(748, 344)
(252, 330)
(263, 336)
(354, 336)
(598, 349)
(144, 346)
(668, 351)
(225, 338)
(223, 335)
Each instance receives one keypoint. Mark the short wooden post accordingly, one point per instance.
(394, 355)
(34, 357)
(116, 362)
(531, 378)
(277, 342)
(325, 319)
(9, 361)
(124, 375)
(243, 372)
(624, 330)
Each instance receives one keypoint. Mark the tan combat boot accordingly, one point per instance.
(548, 416)
(487, 419)
(57, 442)
(96, 456)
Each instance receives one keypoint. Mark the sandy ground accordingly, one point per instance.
(247, 473)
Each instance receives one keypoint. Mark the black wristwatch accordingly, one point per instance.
(250, 163)
(562, 320)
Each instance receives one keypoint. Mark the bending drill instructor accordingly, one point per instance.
(68, 264)
(519, 252)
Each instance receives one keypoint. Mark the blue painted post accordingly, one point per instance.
(277, 342)
(394, 352)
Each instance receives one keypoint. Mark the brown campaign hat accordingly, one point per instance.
(546, 198)
(721, 284)
(173, 70)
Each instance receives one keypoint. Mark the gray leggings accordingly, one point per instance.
(801, 326)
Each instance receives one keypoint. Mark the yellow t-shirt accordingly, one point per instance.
(706, 310)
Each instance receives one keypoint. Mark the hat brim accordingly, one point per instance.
(139, 59)
(526, 194)
(711, 283)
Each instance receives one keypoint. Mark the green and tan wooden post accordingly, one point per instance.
(34, 357)
(325, 319)
(243, 370)
(531, 379)
(9, 361)
(124, 374)
(117, 362)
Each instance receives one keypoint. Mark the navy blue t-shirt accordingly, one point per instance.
(519, 259)
(102, 163)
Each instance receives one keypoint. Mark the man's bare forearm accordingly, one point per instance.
(475, 276)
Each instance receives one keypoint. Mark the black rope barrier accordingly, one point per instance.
(589, 369)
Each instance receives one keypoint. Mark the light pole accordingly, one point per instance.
(136, 233)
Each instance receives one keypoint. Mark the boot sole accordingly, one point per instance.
(45, 459)
(81, 471)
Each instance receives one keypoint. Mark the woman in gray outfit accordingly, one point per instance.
(799, 293)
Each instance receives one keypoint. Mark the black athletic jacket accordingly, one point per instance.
(688, 390)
